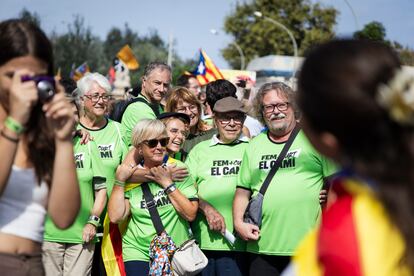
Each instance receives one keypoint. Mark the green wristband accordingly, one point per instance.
(94, 220)
(13, 125)
(119, 183)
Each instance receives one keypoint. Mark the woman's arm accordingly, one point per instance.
(22, 97)
(89, 231)
(214, 219)
(64, 197)
(186, 208)
(118, 206)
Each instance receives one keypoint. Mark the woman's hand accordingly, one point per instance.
(161, 175)
(23, 96)
(178, 174)
(124, 172)
(89, 232)
(60, 115)
(85, 136)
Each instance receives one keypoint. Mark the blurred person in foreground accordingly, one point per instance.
(358, 109)
(37, 172)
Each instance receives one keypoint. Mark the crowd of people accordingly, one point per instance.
(73, 180)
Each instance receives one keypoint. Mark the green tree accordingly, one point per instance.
(373, 31)
(77, 46)
(309, 23)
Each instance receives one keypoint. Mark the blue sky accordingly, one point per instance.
(190, 21)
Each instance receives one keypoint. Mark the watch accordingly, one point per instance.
(171, 188)
(94, 220)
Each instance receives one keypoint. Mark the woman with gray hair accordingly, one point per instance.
(94, 92)
(176, 203)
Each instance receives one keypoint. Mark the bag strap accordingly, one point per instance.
(279, 160)
(152, 208)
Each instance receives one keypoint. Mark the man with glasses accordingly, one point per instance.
(214, 164)
(290, 206)
(155, 84)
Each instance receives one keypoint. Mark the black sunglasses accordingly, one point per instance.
(154, 142)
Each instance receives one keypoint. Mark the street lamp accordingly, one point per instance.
(239, 49)
(292, 38)
(353, 14)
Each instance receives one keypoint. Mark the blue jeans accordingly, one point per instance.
(226, 263)
(136, 268)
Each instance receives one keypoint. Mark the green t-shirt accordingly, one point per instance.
(134, 113)
(112, 148)
(141, 231)
(215, 168)
(291, 204)
(193, 140)
(88, 167)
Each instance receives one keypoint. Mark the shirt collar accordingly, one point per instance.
(215, 140)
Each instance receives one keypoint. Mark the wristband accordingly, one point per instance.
(13, 125)
(171, 188)
(11, 139)
(94, 220)
(119, 183)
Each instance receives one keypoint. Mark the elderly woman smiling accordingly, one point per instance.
(177, 203)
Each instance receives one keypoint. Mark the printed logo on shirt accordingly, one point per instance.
(160, 198)
(106, 151)
(269, 160)
(225, 167)
(79, 158)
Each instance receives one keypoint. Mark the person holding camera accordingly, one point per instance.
(37, 172)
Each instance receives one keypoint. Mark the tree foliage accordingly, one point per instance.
(373, 31)
(79, 45)
(309, 23)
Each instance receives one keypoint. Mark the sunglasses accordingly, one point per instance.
(154, 142)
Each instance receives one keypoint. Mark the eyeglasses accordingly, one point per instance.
(225, 120)
(271, 107)
(95, 97)
(154, 142)
(191, 108)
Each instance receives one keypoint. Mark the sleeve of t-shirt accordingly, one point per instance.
(187, 187)
(99, 179)
(193, 162)
(244, 177)
(328, 167)
(134, 113)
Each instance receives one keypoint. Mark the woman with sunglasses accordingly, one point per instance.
(177, 203)
(37, 168)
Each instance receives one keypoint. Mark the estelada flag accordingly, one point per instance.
(80, 71)
(356, 237)
(206, 70)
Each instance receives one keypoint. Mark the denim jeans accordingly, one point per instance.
(226, 263)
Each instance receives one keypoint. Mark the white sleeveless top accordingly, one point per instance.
(23, 205)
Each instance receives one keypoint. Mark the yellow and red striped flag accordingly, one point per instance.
(206, 70)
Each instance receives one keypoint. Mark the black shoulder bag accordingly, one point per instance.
(253, 213)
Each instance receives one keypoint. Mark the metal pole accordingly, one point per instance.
(239, 49)
(292, 38)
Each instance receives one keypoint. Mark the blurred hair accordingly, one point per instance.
(86, 82)
(184, 79)
(219, 89)
(19, 38)
(281, 89)
(338, 89)
(147, 129)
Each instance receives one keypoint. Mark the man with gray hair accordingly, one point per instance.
(155, 84)
(290, 205)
